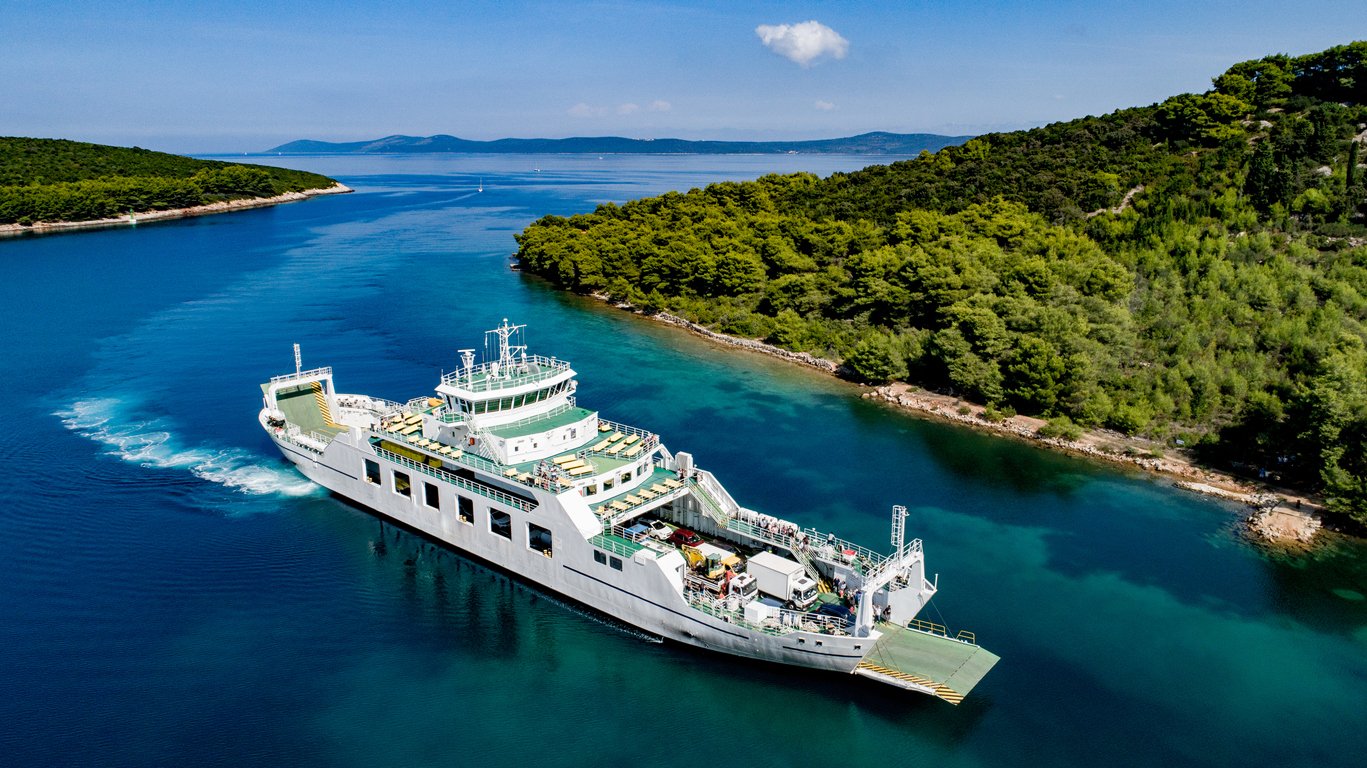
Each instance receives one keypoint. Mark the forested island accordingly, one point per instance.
(875, 143)
(1194, 271)
(43, 181)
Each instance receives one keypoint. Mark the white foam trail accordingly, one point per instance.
(149, 444)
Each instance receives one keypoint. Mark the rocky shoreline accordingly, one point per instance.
(133, 219)
(1280, 517)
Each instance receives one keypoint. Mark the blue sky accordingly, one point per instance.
(244, 76)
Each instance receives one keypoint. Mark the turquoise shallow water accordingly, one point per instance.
(176, 594)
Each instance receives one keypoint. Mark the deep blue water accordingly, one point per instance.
(175, 594)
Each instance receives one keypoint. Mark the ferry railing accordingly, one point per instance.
(831, 547)
(458, 481)
(879, 570)
(701, 598)
(616, 516)
(626, 429)
(362, 404)
(648, 444)
(805, 543)
(614, 539)
(939, 630)
(556, 411)
(300, 376)
(311, 440)
(467, 458)
(297, 439)
(547, 367)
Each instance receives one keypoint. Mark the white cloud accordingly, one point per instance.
(584, 110)
(803, 43)
(628, 108)
(660, 105)
(824, 106)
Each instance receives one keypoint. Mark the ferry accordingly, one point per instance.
(502, 463)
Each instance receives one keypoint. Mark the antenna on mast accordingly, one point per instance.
(899, 527)
(507, 351)
(467, 361)
(298, 361)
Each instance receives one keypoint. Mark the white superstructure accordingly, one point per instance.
(502, 463)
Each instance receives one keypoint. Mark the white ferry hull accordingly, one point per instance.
(640, 595)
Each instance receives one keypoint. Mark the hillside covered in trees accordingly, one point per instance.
(57, 180)
(1194, 270)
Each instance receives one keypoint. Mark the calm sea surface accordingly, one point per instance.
(174, 594)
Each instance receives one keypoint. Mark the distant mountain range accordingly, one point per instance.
(877, 143)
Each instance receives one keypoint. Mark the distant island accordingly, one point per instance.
(1193, 271)
(876, 143)
(49, 185)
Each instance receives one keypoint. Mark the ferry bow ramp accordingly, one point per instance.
(926, 660)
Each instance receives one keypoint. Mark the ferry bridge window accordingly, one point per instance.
(600, 557)
(501, 523)
(539, 539)
(372, 472)
(402, 485)
(617, 563)
(430, 495)
(465, 509)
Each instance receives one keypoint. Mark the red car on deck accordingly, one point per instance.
(684, 538)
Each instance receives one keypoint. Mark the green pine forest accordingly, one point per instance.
(49, 180)
(1194, 271)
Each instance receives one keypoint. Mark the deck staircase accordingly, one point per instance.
(812, 570)
(709, 504)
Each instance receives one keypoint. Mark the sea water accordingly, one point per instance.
(175, 594)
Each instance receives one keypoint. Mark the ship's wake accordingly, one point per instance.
(149, 443)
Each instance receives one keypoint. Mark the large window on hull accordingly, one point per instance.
(539, 539)
(402, 485)
(465, 509)
(501, 523)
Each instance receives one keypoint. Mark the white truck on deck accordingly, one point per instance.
(784, 579)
